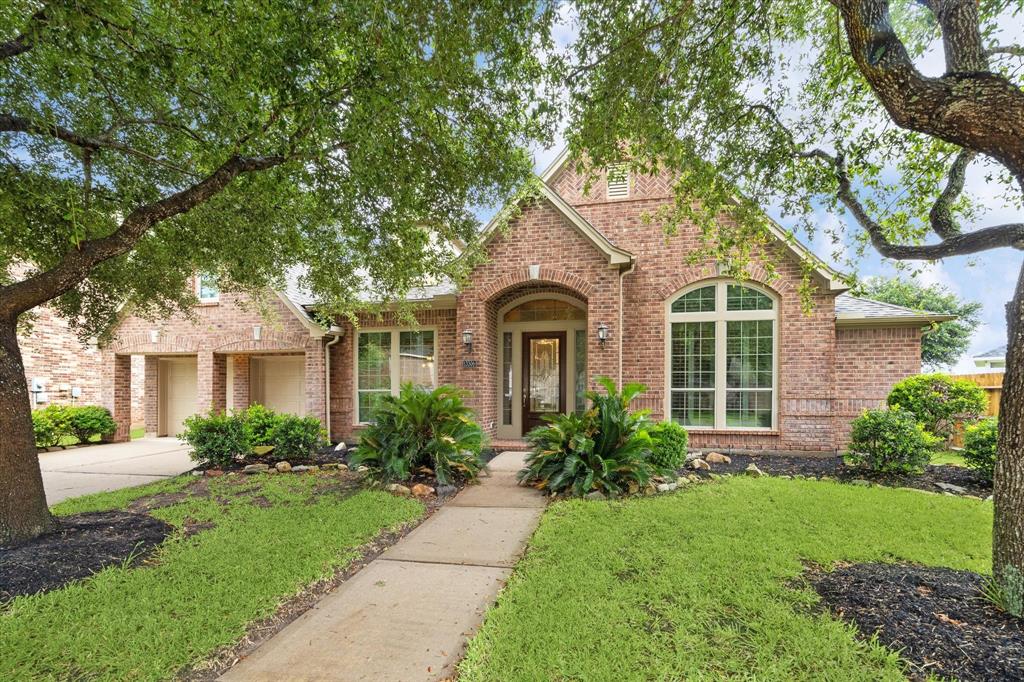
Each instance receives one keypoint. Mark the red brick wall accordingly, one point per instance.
(868, 363)
(51, 351)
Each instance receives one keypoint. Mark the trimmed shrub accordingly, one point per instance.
(668, 447)
(217, 438)
(605, 449)
(52, 425)
(87, 421)
(980, 447)
(939, 401)
(261, 422)
(296, 437)
(421, 428)
(890, 441)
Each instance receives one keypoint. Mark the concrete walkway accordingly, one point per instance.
(406, 616)
(98, 468)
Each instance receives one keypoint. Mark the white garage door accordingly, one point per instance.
(178, 390)
(279, 383)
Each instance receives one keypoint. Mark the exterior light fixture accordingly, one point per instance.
(602, 332)
(467, 340)
(257, 332)
(154, 336)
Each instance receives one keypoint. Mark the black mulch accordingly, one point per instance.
(81, 546)
(834, 467)
(936, 618)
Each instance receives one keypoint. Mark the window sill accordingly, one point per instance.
(206, 304)
(751, 431)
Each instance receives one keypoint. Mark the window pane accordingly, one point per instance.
(693, 355)
(748, 354)
(368, 403)
(581, 370)
(738, 297)
(373, 378)
(208, 289)
(416, 358)
(506, 378)
(544, 310)
(697, 301)
(748, 408)
(693, 408)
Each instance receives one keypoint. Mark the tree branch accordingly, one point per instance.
(1013, 50)
(23, 42)
(961, 39)
(941, 215)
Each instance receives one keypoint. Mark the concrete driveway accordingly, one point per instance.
(97, 468)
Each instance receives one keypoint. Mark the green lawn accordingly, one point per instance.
(272, 535)
(704, 583)
(137, 432)
(948, 457)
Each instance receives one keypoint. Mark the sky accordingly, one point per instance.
(989, 277)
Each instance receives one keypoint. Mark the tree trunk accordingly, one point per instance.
(23, 510)
(1008, 529)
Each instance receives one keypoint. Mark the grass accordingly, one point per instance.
(948, 457)
(705, 583)
(135, 434)
(272, 535)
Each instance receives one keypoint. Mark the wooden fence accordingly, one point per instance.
(993, 385)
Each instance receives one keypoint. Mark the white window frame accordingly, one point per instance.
(396, 379)
(199, 290)
(720, 317)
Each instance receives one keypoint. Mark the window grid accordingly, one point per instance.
(374, 371)
(416, 358)
(697, 301)
(581, 370)
(506, 378)
(387, 358)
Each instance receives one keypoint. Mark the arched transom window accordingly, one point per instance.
(722, 356)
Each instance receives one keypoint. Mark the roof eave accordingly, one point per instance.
(891, 321)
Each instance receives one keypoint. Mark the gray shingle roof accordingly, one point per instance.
(999, 352)
(850, 307)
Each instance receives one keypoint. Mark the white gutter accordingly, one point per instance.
(336, 332)
(622, 275)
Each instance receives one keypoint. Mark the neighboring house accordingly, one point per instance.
(994, 359)
(579, 285)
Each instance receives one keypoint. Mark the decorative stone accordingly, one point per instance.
(214, 472)
(651, 489)
(693, 478)
(341, 466)
(446, 490)
(950, 488)
(272, 471)
(329, 466)
(717, 458)
(692, 455)
(752, 470)
(255, 468)
(398, 489)
(363, 469)
(633, 488)
(683, 480)
(595, 495)
(861, 482)
(283, 467)
(341, 447)
(699, 464)
(303, 467)
(422, 490)
(667, 487)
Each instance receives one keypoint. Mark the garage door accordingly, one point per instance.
(280, 383)
(178, 390)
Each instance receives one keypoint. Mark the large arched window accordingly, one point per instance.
(722, 356)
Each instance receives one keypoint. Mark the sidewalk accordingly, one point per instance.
(407, 615)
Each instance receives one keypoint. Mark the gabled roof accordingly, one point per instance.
(852, 311)
(831, 277)
(995, 353)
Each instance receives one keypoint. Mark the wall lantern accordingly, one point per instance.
(154, 336)
(257, 332)
(467, 340)
(602, 332)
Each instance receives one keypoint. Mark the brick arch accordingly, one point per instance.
(756, 273)
(140, 342)
(270, 340)
(580, 287)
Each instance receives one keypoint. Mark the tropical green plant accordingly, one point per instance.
(604, 449)
(261, 422)
(296, 437)
(422, 429)
(217, 438)
(668, 447)
(939, 401)
(86, 421)
(980, 446)
(890, 441)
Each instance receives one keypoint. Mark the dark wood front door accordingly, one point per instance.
(543, 376)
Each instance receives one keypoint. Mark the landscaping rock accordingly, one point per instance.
(693, 478)
(596, 495)
(667, 487)
(255, 468)
(398, 489)
(341, 447)
(950, 488)
(302, 467)
(446, 490)
(633, 488)
(651, 489)
(422, 490)
(283, 467)
(692, 455)
(363, 469)
(752, 470)
(341, 466)
(214, 472)
(717, 458)
(330, 466)
(273, 471)
(861, 482)
(698, 464)
(683, 480)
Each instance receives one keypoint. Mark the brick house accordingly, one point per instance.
(577, 286)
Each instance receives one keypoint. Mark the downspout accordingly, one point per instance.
(622, 275)
(336, 332)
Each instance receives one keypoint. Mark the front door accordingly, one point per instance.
(543, 376)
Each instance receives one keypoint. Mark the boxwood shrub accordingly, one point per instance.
(890, 441)
(217, 438)
(980, 447)
(65, 424)
(668, 446)
(939, 401)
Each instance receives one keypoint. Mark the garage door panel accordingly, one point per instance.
(281, 383)
(180, 389)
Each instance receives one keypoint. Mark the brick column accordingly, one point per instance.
(151, 395)
(240, 382)
(316, 405)
(121, 403)
(212, 382)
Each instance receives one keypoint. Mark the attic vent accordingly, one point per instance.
(618, 181)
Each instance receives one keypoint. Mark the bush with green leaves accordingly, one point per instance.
(980, 446)
(296, 437)
(261, 422)
(217, 438)
(87, 421)
(890, 441)
(604, 449)
(52, 425)
(939, 401)
(422, 429)
(668, 446)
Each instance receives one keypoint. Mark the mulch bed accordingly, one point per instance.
(82, 545)
(835, 468)
(936, 618)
